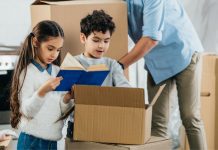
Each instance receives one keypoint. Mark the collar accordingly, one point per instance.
(40, 68)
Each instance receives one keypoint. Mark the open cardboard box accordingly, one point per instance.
(112, 114)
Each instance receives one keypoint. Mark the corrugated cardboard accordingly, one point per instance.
(112, 115)
(69, 13)
(155, 143)
(209, 100)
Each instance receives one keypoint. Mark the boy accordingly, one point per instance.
(96, 31)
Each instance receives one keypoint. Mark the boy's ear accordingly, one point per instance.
(82, 38)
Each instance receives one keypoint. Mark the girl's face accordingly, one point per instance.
(96, 44)
(49, 50)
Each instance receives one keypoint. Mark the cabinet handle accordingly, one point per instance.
(205, 94)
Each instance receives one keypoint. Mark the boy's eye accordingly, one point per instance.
(58, 50)
(94, 40)
(106, 41)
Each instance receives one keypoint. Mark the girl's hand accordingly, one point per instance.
(68, 96)
(50, 85)
(4, 137)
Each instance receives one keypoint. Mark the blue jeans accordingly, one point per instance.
(29, 142)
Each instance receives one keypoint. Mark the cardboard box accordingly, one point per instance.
(155, 143)
(112, 115)
(69, 13)
(209, 101)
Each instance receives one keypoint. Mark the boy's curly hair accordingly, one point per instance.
(97, 21)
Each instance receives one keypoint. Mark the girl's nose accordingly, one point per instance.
(54, 54)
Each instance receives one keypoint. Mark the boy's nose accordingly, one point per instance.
(101, 45)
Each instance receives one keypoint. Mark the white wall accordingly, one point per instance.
(204, 16)
(14, 21)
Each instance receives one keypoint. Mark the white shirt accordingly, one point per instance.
(40, 113)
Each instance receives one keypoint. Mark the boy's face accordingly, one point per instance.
(96, 44)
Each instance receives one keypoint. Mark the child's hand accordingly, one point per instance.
(4, 137)
(50, 85)
(68, 96)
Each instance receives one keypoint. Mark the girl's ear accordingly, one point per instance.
(35, 42)
(82, 38)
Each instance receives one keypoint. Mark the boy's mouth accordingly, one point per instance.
(100, 51)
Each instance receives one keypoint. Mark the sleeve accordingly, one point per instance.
(31, 102)
(153, 19)
(118, 78)
(65, 107)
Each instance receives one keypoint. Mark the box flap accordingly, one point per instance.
(157, 95)
(109, 96)
(39, 2)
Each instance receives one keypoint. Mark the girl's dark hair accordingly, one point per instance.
(43, 31)
(97, 21)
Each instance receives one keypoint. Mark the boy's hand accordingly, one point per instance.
(50, 85)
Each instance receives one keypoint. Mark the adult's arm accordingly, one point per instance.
(153, 25)
(141, 48)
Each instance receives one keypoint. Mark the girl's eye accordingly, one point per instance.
(50, 49)
(58, 50)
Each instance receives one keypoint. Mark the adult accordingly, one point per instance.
(165, 37)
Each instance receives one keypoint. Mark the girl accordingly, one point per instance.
(35, 106)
